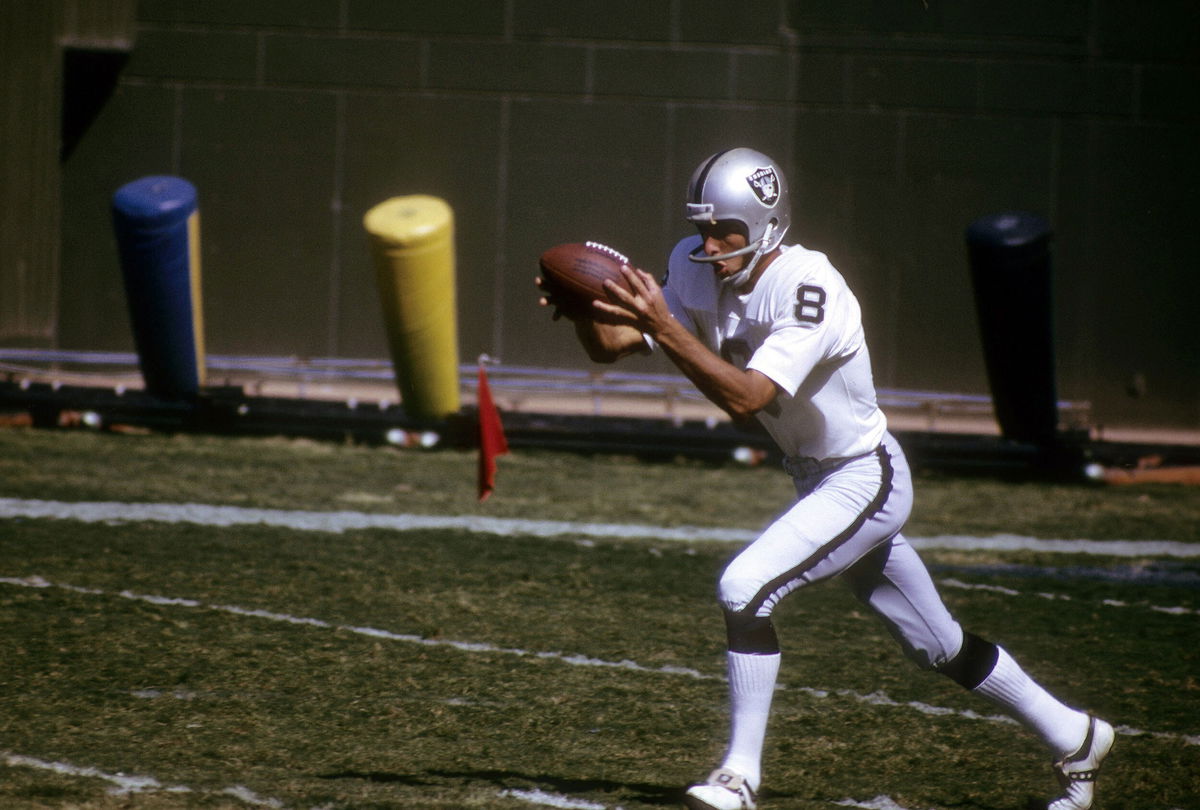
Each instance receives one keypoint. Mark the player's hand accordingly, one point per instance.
(644, 308)
(547, 299)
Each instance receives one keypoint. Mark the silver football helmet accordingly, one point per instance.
(748, 187)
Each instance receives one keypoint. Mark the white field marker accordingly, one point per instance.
(338, 522)
(125, 784)
(874, 698)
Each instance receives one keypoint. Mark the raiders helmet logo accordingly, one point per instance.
(765, 183)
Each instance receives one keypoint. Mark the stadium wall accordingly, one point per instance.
(542, 121)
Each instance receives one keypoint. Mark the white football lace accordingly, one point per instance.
(622, 258)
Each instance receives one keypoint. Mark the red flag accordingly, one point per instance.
(492, 442)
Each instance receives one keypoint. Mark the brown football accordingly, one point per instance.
(574, 274)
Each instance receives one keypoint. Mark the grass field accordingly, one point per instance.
(206, 662)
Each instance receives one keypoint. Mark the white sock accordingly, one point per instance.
(1060, 727)
(751, 687)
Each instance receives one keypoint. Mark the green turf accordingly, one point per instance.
(197, 695)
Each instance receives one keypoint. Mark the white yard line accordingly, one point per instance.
(1059, 597)
(875, 698)
(111, 512)
(342, 521)
(878, 803)
(371, 632)
(545, 799)
(123, 784)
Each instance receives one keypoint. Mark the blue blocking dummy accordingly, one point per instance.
(157, 225)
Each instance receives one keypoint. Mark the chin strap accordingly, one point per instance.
(742, 276)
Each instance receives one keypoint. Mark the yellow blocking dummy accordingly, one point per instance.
(412, 245)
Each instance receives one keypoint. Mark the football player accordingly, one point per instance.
(769, 331)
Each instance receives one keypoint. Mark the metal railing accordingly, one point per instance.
(518, 385)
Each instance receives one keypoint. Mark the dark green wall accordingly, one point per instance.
(543, 121)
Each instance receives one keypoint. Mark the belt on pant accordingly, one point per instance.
(806, 466)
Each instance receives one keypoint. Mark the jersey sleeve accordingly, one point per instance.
(679, 270)
(788, 355)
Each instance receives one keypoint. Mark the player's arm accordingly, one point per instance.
(739, 393)
(608, 342)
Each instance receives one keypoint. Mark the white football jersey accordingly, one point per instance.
(801, 326)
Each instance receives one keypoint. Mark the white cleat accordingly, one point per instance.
(1077, 773)
(723, 790)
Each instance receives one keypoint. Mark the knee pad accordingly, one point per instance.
(747, 633)
(974, 662)
(734, 593)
